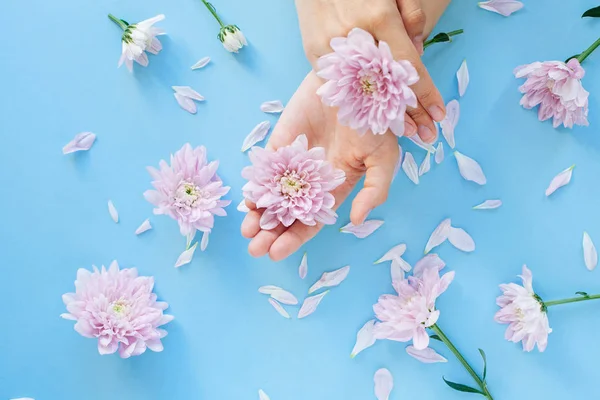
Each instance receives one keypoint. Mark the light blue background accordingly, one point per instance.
(59, 77)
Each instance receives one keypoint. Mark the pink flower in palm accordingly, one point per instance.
(369, 87)
(292, 183)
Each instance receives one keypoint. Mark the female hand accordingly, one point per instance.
(400, 23)
(375, 155)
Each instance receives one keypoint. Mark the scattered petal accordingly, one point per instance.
(272, 107)
(396, 271)
(560, 180)
(188, 239)
(303, 268)
(427, 355)
(431, 260)
(439, 153)
(279, 308)
(439, 235)
(330, 279)
(204, 241)
(68, 317)
(363, 230)
(285, 297)
(258, 133)
(590, 255)
(463, 78)
(201, 63)
(502, 7)
(488, 205)
(310, 304)
(145, 226)
(384, 383)
(188, 92)
(242, 207)
(402, 264)
(186, 103)
(114, 214)
(425, 146)
(460, 239)
(268, 289)
(410, 168)
(186, 256)
(262, 395)
(394, 252)
(81, 142)
(425, 165)
(470, 169)
(449, 123)
(398, 163)
(364, 338)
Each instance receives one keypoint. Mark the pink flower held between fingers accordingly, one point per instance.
(407, 315)
(368, 86)
(117, 307)
(189, 190)
(556, 87)
(525, 314)
(292, 183)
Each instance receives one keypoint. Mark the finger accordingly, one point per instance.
(292, 239)
(426, 129)
(380, 172)
(410, 127)
(414, 20)
(251, 224)
(250, 205)
(260, 245)
(392, 32)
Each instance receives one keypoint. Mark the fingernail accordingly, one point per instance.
(426, 134)
(436, 113)
(409, 129)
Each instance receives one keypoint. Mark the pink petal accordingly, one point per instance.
(425, 165)
(461, 239)
(416, 139)
(406, 267)
(410, 168)
(330, 279)
(186, 257)
(188, 92)
(429, 261)
(449, 123)
(398, 269)
(463, 78)
(114, 214)
(186, 103)
(560, 180)
(262, 395)
(363, 230)
(303, 268)
(285, 297)
(439, 235)
(439, 153)
(242, 207)
(145, 226)
(204, 241)
(201, 63)
(502, 7)
(590, 255)
(310, 304)
(81, 142)
(427, 356)
(256, 135)
(470, 169)
(279, 308)
(394, 252)
(398, 163)
(272, 107)
(364, 338)
(268, 289)
(488, 205)
(384, 383)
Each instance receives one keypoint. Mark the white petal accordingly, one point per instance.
(114, 214)
(488, 205)
(410, 168)
(204, 241)
(427, 355)
(258, 133)
(439, 153)
(425, 165)
(363, 230)
(310, 304)
(279, 308)
(285, 297)
(397, 272)
(384, 383)
(201, 63)
(186, 103)
(262, 395)
(145, 226)
(400, 262)
(439, 235)
(398, 163)
(189, 238)
(268, 289)
(460, 239)
(449, 122)
(394, 252)
(425, 146)
(81, 142)
(364, 338)
(188, 92)
(470, 169)
(560, 180)
(330, 279)
(242, 207)
(590, 255)
(68, 316)
(463, 78)
(502, 7)
(272, 107)
(303, 268)
(186, 256)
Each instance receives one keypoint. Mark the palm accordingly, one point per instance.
(356, 155)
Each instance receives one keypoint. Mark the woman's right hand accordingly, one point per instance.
(400, 23)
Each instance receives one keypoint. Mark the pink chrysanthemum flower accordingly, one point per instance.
(407, 315)
(368, 86)
(556, 87)
(189, 190)
(292, 183)
(119, 309)
(525, 314)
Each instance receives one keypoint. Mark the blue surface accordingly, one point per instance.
(59, 77)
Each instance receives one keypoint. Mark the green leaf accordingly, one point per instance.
(592, 12)
(462, 388)
(435, 337)
(441, 37)
(584, 294)
(484, 363)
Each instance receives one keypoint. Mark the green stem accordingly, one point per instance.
(451, 33)
(122, 24)
(482, 385)
(213, 11)
(572, 300)
(589, 51)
